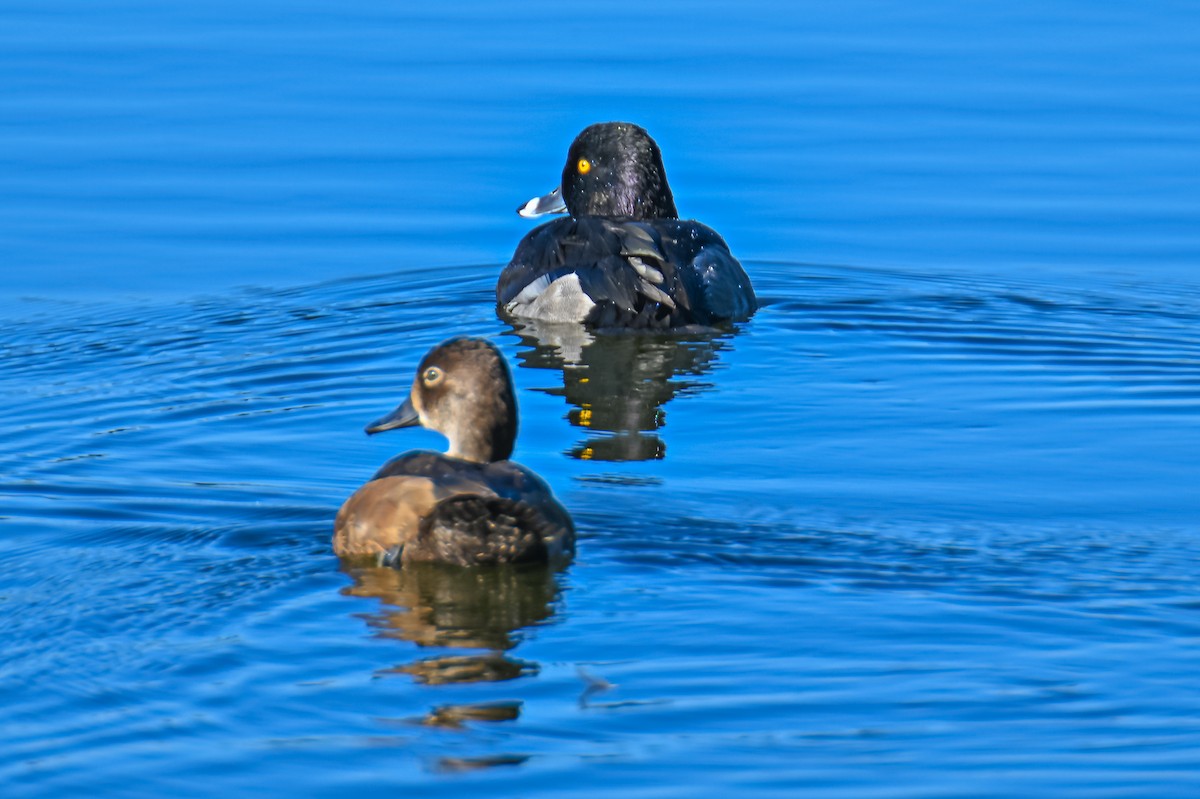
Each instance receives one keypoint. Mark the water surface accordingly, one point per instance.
(950, 518)
(925, 525)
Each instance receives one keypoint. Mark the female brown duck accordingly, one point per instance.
(471, 505)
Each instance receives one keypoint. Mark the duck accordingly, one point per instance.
(622, 258)
(470, 505)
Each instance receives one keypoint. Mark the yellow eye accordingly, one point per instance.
(584, 166)
(432, 376)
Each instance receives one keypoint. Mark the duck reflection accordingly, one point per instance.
(618, 382)
(457, 717)
(436, 605)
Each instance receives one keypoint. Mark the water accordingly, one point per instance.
(926, 525)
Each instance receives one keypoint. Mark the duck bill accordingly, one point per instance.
(551, 203)
(405, 415)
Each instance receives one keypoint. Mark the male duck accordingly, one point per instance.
(623, 258)
(471, 505)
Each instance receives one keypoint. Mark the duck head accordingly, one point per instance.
(613, 169)
(464, 391)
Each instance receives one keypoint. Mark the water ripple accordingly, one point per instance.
(939, 505)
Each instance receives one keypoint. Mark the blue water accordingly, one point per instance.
(927, 525)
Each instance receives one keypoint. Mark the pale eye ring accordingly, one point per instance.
(432, 376)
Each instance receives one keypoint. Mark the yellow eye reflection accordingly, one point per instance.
(584, 166)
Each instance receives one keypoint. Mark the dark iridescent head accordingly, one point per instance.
(613, 169)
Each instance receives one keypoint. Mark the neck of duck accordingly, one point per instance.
(627, 203)
(483, 444)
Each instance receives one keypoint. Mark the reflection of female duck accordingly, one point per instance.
(623, 258)
(433, 605)
(471, 505)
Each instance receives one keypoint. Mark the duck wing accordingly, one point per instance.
(471, 530)
(622, 273)
(477, 513)
(715, 284)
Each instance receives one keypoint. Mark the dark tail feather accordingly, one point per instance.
(472, 530)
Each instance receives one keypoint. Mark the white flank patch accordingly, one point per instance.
(560, 301)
